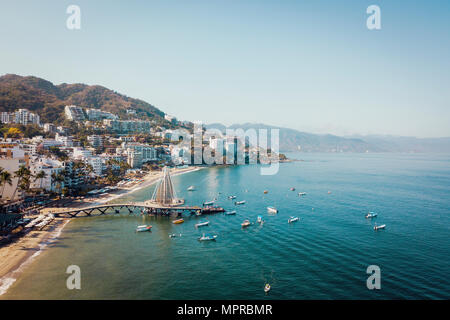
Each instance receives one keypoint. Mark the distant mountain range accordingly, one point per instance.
(48, 100)
(293, 140)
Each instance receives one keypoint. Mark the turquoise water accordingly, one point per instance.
(323, 256)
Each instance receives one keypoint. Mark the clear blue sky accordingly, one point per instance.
(309, 65)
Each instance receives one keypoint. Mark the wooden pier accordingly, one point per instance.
(133, 208)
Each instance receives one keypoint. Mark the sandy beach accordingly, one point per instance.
(20, 252)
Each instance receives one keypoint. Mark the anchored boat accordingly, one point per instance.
(272, 210)
(178, 221)
(293, 219)
(208, 203)
(379, 227)
(230, 213)
(143, 228)
(245, 224)
(231, 197)
(259, 219)
(292, 189)
(265, 191)
(202, 224)
(191, 188)
(371, 215)
(267, 288)
(239, 202)
(301, 194)
(207, 237)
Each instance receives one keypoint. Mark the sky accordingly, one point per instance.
(312, 65)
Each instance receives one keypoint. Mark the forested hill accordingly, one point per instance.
(48, 100)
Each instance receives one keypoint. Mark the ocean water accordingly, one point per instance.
(323, 256)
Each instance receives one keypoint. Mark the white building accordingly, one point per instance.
(80, 153)
(134, 158)
(46, 143)
(49, 166)
(66, 141)
(7, 117)
(74, 113)
(96, 163)
(49, 127)
(95, 140)
(97, 114)
(23, 116)
(11, 192)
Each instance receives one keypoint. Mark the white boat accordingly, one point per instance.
(191, 188)
(371, 215)
(239, 202)
(202, 224)
(259, 219)
(302, 194)
(293, 219)
(246, 223)
(143, 228)
(230, 213)
(208, 203)
(272, 210)
(207, 237)
(379, 227)
(267, 288)
(231, 197)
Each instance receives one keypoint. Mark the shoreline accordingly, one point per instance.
(21, 252)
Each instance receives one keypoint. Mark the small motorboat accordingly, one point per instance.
(301, 194)
(293, 219)
(191, 188)
(371, 215)
(292, 189)
(379, 227)
(239, 202)
(272, 210)
(208, 203)
(207, 237)
(202, 224)
(230, 213)
(178, 221)
(245, 224)
(231, 197)
(173, 235)
(266, 192)
(329, 192)
(143, 228)
(267, 288)
(259, 219)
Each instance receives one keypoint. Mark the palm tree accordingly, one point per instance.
(53, 180)
(23, 174)
(5, 178)
(59, 180)
(40, 175)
